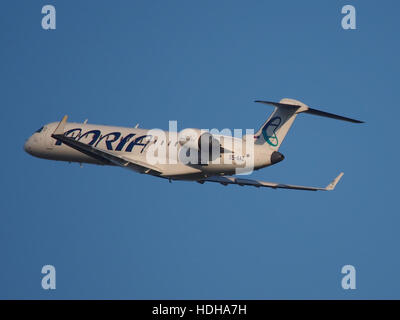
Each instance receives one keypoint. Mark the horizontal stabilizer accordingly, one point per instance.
(303, 108)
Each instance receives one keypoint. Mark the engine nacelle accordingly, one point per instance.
(199, 140)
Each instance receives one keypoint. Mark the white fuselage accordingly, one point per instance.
(134, 143)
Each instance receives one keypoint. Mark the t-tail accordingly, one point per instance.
(274, 130)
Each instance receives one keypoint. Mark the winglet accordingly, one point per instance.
(61, 125)
(333, 184)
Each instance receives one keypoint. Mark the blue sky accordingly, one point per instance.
(114, 234)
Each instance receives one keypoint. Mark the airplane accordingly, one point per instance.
(128, 148)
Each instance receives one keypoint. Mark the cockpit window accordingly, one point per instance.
(39, 130)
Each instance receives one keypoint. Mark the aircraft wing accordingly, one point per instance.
(225, 180)
(103, 156)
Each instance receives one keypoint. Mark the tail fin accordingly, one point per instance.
(274, 130)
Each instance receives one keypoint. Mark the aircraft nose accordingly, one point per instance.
(28, 145)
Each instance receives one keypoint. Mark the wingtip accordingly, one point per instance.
(265, 102)
(333, 184)
(357, 121)
(61, 125)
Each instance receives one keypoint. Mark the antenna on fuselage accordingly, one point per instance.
(84, 122)
(137, 126)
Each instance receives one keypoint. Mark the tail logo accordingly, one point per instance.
(269, 131)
